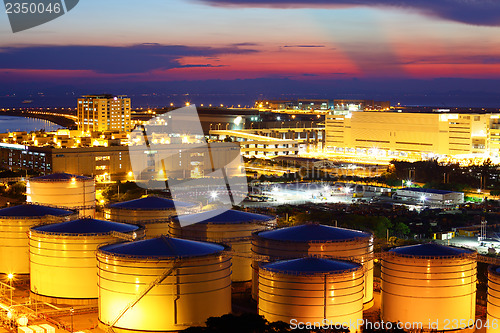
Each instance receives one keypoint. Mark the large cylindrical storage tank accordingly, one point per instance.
(316, 240)
(172, 284)
(14, 225)
(231, 227)
(312, 290)
(152, 212)
(62, 258)
(63, 190)
(430, 284)
(493, 306)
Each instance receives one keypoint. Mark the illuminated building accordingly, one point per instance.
(429, 196)
(323, 104)
(103, 113)
(412, 135)
(113, 161)
(21, 157)
(340, 105)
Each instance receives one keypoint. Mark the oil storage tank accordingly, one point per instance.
(63, 258)
(231, 227)
(493, 306)
(63, 190)
(312, 290)
(152, 212)
(162, 284)
(14, 225)
(430, 284)
(314, 239)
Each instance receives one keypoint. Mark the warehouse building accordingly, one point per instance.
(412, 135)
(427, 196)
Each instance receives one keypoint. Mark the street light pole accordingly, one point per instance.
(71, 310)
(10, 277)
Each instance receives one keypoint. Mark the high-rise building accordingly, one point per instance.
(99, 113)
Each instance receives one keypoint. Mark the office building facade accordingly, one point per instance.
(99, 113)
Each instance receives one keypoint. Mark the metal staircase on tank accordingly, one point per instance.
(153, 284)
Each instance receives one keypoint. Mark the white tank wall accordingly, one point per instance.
(14, 249)
(237, 235)
(73, 194)
(428, 290)
(338, 298)
(200, 288)
(360, 249)
(64, 266)
(155, 222)
(493, 307)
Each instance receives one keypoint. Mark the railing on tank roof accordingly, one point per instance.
(90, 206)
(267, 258)
(488, 260)
(68, 234)
(47, 216)
(76, 179)
(299, 273)
(168, 219)
(337, 272)
(360, 238)
(158, 258)
(467, 255)
(269, 222)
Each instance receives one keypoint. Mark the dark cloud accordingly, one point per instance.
(456, 60)
(476, 12)
(305, 46)
(245, 44)
(201, 65)
(133, 59)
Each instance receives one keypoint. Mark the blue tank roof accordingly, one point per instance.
(313, 232)
(221, 216)
(151, 203)
(311, 265)
(495, 269)
(430, 250)
(163, 247)
(33, 211)
(60, 176)
(86, 226)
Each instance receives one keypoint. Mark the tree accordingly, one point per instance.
(401, 229)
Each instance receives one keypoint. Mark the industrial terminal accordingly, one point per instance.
(250, 166)
(118, 225)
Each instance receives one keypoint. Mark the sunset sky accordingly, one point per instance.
(191, 40)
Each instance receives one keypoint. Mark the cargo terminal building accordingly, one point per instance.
(413, 135)
(115, 161)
